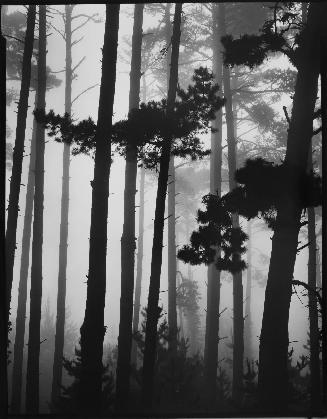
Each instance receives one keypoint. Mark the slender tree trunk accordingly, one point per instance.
(213, 289)
(323, 72)
(138, 282)
(128, 237)
(238, 319)
(93, 330)
(139, 269)
(153, 298)
(32, 376)
(172, 309)
(4, 313)
(248, 292)
(315, 388)
(273, 382)
(16, 395)
(16, 175)
(63, 243)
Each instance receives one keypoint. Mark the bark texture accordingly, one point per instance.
(32, 375)
(128, 236)
(153, 311)
(16, 175)
(63, 240)
(274, 340)
(93, 330)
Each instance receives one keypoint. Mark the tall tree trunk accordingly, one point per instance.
(4, 313)
(139, 268)
(273, 382)
(128, 237)
(63, 243)
(323, 72)
(171, 243)
(32, 376)
(172, 309)
(248, 296)
(153, 310)
(16, 175)
(315, 388)
(213, 289)
(93, 330)
(238, 319)
(16, 394)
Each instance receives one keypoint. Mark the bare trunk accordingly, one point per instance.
(153, 298)
(213, 289)
(32, 375)
(16, 175)
(16, 395)
(4, 318)
(273, 382)
(238, 319)
(248, 295)
(139, 269)
(323, 72)
(172, 312)
(128, 237)
(93, 330)
(63, 244)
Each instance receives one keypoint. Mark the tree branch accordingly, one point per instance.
(78, 64)
(84, 91)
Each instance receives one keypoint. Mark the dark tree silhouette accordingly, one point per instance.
(156, 260)
(213, 288)
(4, 315)
(15, 182)
(32, 377)
(128, 236)
(92, 330)
(274, 333)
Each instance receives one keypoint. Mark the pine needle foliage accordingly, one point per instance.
(150, 125)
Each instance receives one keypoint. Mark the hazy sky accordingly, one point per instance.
(89, 73)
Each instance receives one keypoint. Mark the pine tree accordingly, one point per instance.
(32, 378)
(152, 310)
(92, 330)
(128, 236)
(15, 182)
(213, 288)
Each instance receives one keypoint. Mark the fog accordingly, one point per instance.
(80, 201)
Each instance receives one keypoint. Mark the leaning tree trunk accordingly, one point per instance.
(139, 268)
(16, 394)
(128, 236)
(248, 295)
(32, 375)
(238, 319)
(63, 241)
(4, 319)
(274, 340)
(93, 329)
(213, 288)
(16, 175)
(153, 311)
